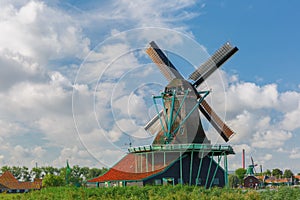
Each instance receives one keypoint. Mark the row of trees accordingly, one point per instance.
(238, 177)
(54, 176)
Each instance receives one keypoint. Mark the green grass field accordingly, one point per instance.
(155, 192)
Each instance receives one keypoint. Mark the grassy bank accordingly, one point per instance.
(155, 192)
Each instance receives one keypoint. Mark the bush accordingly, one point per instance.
(51, 180)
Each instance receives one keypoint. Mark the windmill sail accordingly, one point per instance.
(213, 63)
(163, 63)
(216, 121)
(154, 125)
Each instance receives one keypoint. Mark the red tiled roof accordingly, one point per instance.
(281, 180)
(7, 177)
(116, 175)
(22, 185)
(297, 176)
(10, 182)
(260, 177)
(135, 167)
(134, 163)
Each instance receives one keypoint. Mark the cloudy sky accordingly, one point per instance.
(76, 84)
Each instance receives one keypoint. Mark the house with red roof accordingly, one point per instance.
(8, 183)
(167, 164)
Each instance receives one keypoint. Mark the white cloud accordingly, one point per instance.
(251, 96)
(156, 13)
(243, 124)
(16, 68)
(36, 97)
(291, 119)
(270, 139)
(74, 155)
(238, 148)
(38, 152)
(295, 153)
(35, 91)
(260, 115)
(268, 157)
(38, 31)
(288, 101)
(10, 128)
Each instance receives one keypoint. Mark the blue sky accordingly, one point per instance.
(74, 79)
(266, 33)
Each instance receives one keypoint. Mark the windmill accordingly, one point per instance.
(180, 152)
(253, 165)
(251, 181)
(179, 121)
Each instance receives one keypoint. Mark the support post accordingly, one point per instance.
(226, 171)
(181, 104)
(141, 162)
(170, 123)
(136, 163)
(181, 181)
(200, 166)
(209, 168)
(152, 161)
(217, 167)
(146, 162)
(191, 167)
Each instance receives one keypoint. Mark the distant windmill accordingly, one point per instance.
(254, 165)
(251, 168)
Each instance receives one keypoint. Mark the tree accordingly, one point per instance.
(233, 180)
(5, 168)
(20, 173)
(288, 173)
(84, 172)
(17, 172)
(36, 172)
(50, 170)
(26, 176)
(76, 173)
(277, 173)
(240, 173)
(51, 180)
(268, 172)
(95, 172)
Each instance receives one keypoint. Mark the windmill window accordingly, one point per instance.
(181, 130)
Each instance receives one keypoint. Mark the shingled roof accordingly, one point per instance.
(128, 169)
(116, 175)
(8, 181)
(8, 177)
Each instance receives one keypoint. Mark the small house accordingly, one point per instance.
(9, 184)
